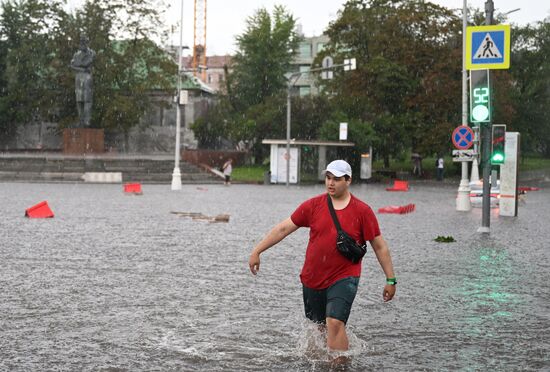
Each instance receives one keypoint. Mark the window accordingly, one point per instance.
(320, 47)
(305, 50)
(305, 68)
(305, 91)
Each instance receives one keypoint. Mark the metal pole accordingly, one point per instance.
(290, 83)
(176, 176)
(463, 197)
(288, 131)
(486, 147)
(474, 175)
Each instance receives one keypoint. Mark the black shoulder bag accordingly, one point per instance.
(345, 243)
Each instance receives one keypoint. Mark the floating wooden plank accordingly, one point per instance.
(202, 217)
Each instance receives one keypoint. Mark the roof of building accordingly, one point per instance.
(190, 82)
(211, 61)
(306, 142)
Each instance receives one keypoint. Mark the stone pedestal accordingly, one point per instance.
(83, 141)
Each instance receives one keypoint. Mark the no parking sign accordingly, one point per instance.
(463, 137)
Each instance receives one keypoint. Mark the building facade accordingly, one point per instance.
(303, 62)
(215, 70)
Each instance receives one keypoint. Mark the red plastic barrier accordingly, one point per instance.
(133, 188)
(40, 210)
(390, 209)
(399, 185)
(527, 188)
(398, 209)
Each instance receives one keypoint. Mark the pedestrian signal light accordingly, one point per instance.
(480, 96)
(498, 141)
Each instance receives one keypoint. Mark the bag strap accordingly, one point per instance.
(333, 214)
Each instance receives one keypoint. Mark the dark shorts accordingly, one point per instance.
(227, 178)
(334, 301)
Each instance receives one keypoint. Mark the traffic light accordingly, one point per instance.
(480, 96)
(498, 141)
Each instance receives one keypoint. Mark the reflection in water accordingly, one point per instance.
(118, 283)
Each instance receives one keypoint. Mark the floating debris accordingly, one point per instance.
(445, 239)
(398, 209)
(202, 217)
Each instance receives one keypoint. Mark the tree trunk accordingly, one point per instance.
(386, 160)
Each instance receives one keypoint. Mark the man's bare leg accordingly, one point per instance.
(337, 339)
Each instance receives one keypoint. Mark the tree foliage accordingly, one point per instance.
(408, 71)
(255, 105)
(264, 53)
(38, 39)
(530, 68)
(27, 30)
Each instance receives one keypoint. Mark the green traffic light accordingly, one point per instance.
(480, 113)
(480, 97)
(497, 158)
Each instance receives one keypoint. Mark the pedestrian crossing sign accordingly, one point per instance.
(488, 47)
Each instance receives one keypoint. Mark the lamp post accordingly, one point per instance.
(511, 11)
(176, 175)
(463, 198)
(486, 131)
(349, 64)
(295, 75)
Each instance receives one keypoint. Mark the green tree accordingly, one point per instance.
(308, 115)
(26, 55)
(129, 65)
(263, 57)
(362, 133)
(255, 105)
(530, 68)
(407, 82)
(38, 39)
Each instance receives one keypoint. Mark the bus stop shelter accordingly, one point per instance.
(279, 157)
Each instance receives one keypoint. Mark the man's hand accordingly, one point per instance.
(254, 262)
(278, 233)
(389, 292)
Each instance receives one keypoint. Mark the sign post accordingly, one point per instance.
(366, 165)
(509, 177)
(487, 48)
(480, 97)
(327, 63)
(343, 131)
(463, 137)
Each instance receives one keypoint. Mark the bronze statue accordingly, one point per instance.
(82, 65)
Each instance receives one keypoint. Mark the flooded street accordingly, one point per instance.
(118, 283)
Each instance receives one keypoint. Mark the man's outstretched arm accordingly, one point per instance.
(382, 252)
(278, 233)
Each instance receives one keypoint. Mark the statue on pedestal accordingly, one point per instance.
(82, 65)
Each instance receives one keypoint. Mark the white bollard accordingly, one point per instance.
(102, 177)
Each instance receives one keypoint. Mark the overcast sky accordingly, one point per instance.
(226, 18)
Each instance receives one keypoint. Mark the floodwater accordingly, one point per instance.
(118, 283)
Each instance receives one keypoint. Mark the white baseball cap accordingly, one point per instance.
(339, 168)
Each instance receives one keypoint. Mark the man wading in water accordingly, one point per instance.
(329, 280)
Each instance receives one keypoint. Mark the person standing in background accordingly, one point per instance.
(417, 164)
(440, 163)
(227, 170)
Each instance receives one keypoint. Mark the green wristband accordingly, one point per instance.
(391, 281)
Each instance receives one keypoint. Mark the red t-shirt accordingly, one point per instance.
(324, 265)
